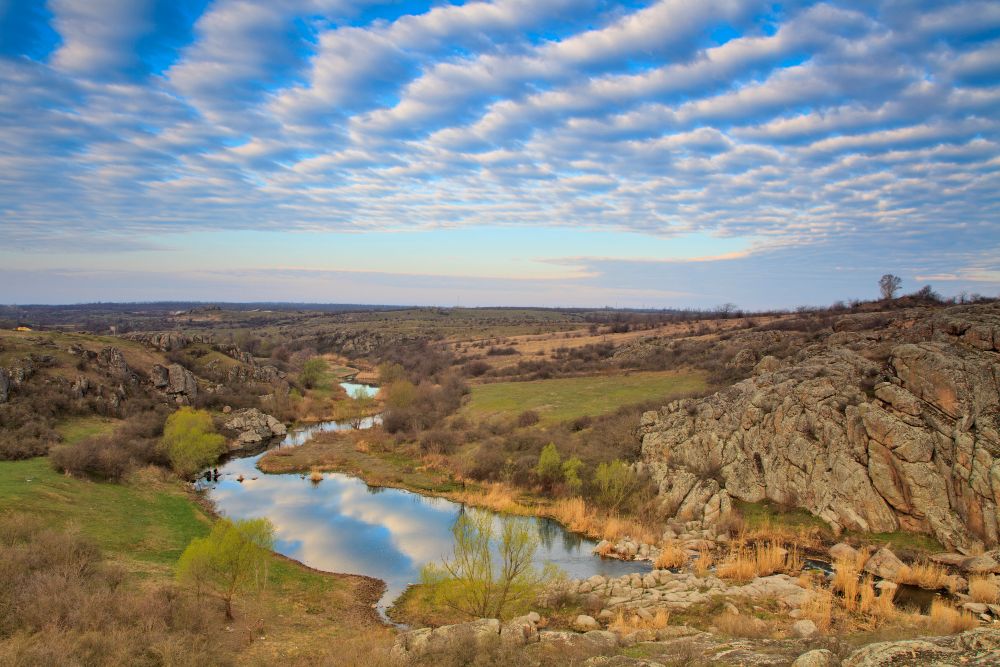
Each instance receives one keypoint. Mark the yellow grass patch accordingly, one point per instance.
(946, 620)
(761, 559)
(671, 555)
(926, 575)
(984, 589)
(628, 622)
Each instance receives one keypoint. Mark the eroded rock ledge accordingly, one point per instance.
(881, 430)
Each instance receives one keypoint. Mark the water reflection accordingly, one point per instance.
(343, 525)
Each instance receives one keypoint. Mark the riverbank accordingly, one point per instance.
(362, 454)
(143, 525)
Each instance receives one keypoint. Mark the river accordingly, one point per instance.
(343, 525)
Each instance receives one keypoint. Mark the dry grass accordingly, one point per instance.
(606, 550)
(984, 589)
(671, 555)
(819, 607)
(744, 563)
(315, 476)
(926, 575)
(578, 517)
(741, 625)
(628, 622)
(878, 607)
(703, 563)
(806, 537)
(946, 620)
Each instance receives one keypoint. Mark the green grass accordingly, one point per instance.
(149, 523)
(74, 430)
(762, 514)
(568, 398)
(901, 541)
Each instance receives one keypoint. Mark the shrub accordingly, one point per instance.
(571, 474)
(312, 372)
(615, 481)
(549, 469)
(191, 442)
(527, 418)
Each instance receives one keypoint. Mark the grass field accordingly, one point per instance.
(149, 523)
(568, 398)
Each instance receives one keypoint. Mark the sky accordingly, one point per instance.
(680, 153)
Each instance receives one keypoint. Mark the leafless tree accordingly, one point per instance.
(889, 285)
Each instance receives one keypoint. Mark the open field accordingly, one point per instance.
(567, 398)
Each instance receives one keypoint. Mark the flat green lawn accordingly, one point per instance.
(568, 398)
(147, 522)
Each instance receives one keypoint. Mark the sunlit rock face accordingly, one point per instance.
(875, 429)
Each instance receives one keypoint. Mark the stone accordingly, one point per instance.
(816, 658)
(986, 563)
(253, 427)
(584, 623)
(883, 563)
(4, 385)
(604, 639)
(975, 607)
(949, 559)
(804, 629)
(843, 551)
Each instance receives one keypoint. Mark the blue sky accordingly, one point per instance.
(536, 152)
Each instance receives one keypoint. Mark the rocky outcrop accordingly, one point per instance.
(909, 441)
(168, 341)
(254, 427)
(175, 381)
(975, 647)
(4, 385)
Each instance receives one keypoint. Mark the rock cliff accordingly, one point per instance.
(888, 423)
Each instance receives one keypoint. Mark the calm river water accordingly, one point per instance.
(343, 525)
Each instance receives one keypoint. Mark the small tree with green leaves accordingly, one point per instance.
(549, 468)
(232, 559)
(571, 474)
(312, 373)
(191, 442)
(483, 581)
(616, 482)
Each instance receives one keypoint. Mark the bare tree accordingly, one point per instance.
(889, 285)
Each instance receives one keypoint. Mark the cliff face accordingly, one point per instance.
(881, 429)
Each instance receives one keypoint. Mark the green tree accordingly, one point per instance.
(483, 581)
(232, 559)
(571, 474)
(549, 468)
(191, 442)
(312, 372)
(616, 481)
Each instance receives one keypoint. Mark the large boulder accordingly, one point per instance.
(883, 563)
(907, 442)
(253, 427)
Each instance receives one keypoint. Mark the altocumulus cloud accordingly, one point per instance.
(838, 138)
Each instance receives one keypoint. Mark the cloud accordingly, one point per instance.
(811, 127)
